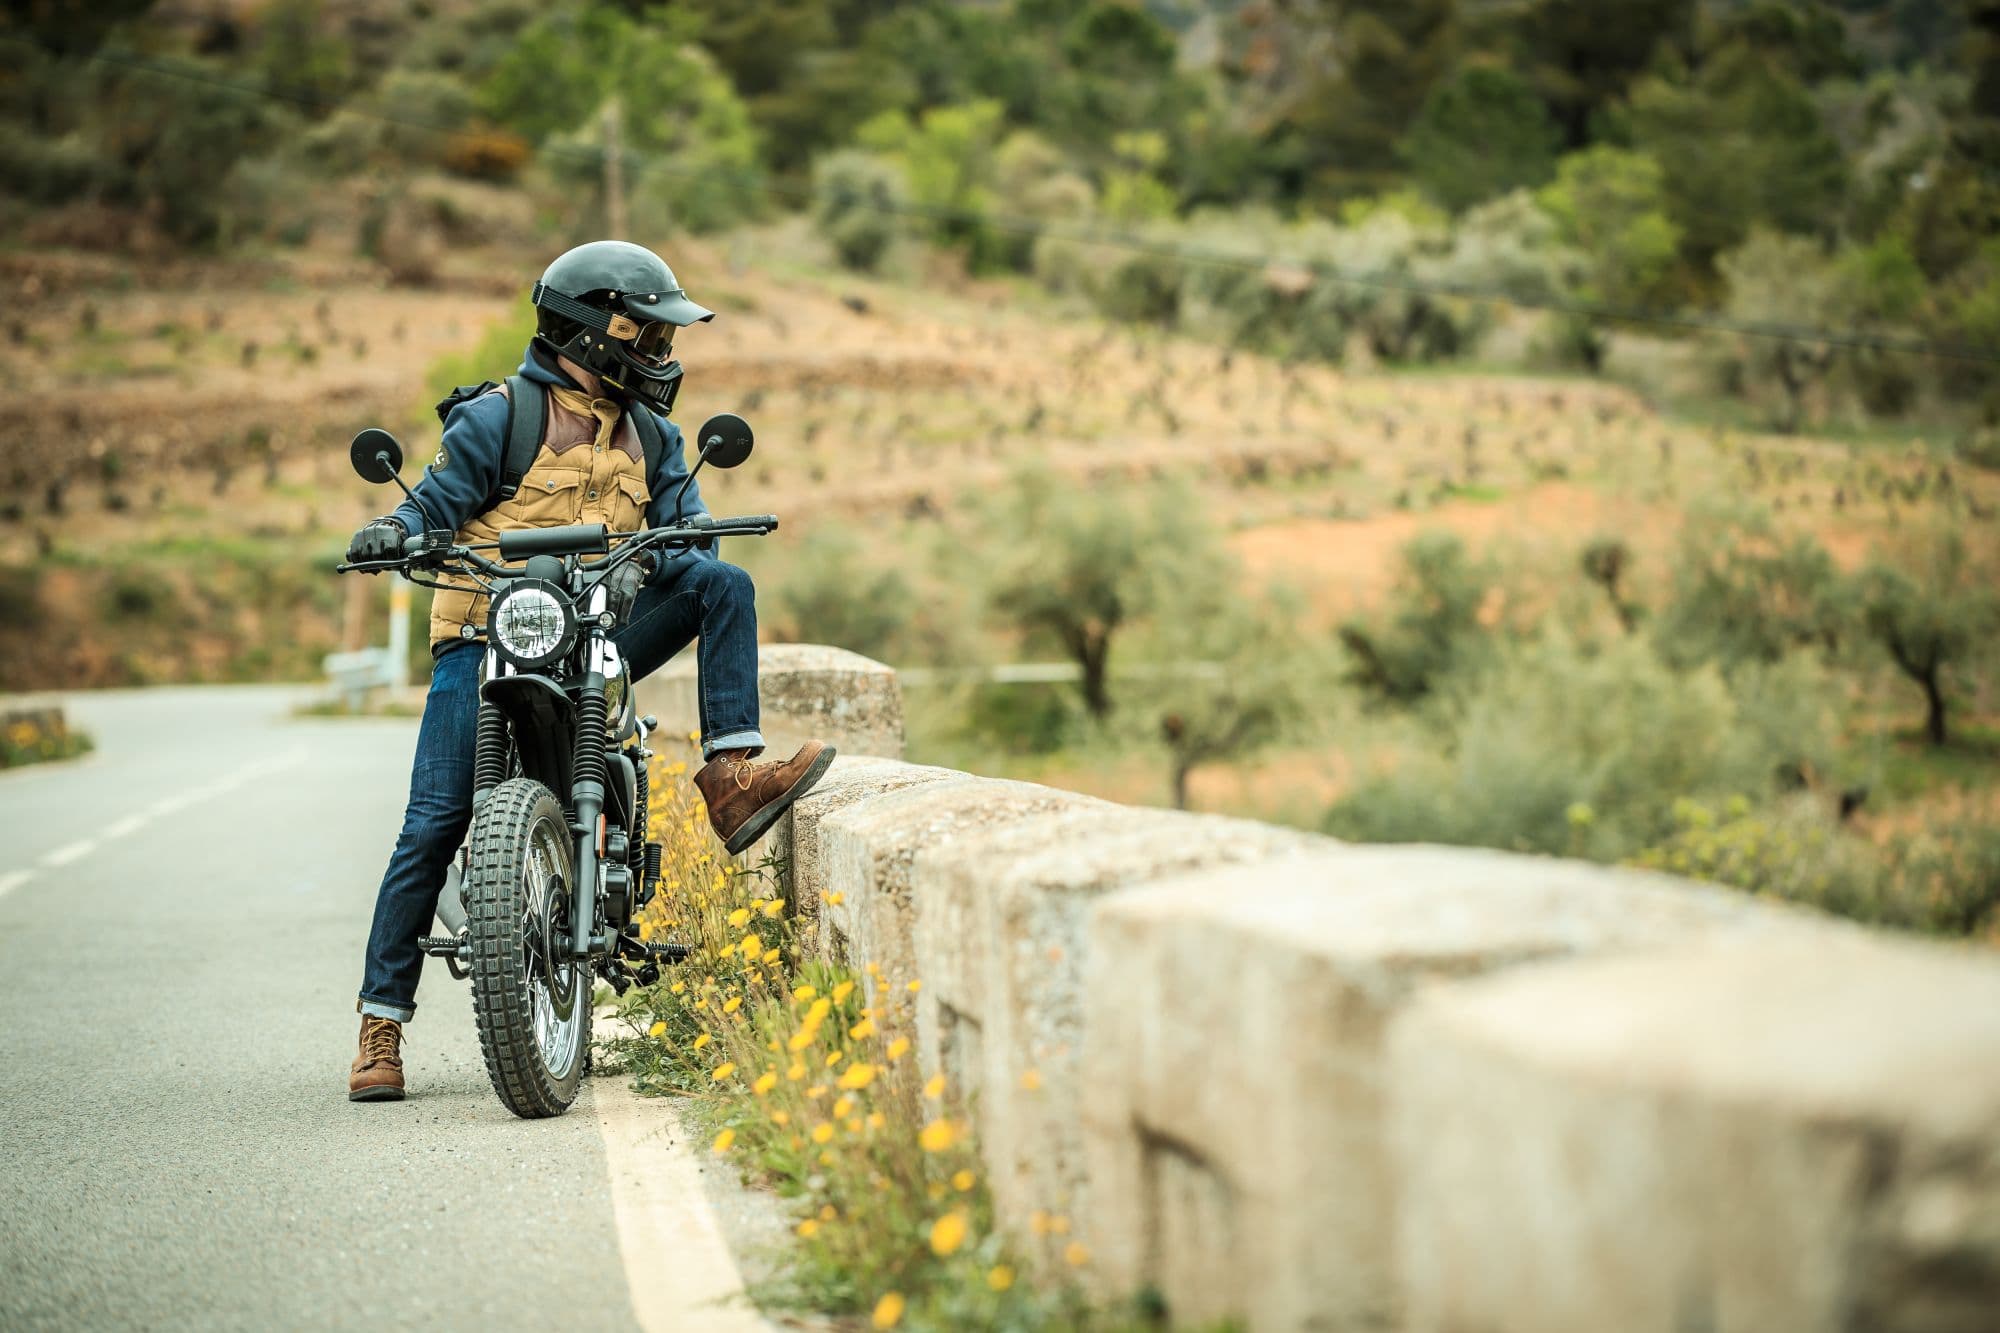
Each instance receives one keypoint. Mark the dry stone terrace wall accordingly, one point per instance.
(1306, 1085)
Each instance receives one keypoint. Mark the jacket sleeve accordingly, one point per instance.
(458, 482)
(666, 480)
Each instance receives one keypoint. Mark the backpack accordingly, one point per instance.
(525, 430)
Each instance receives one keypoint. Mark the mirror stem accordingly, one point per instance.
(688, 480)
(389, 467)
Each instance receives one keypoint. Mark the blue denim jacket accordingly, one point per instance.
(475, 440)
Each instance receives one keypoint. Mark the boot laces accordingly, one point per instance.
(381, 1039)
(740, 770)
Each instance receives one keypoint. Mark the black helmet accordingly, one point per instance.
(612, 307)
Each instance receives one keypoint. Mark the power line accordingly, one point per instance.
(1037, 228)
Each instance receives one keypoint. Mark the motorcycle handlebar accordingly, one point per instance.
(574, 539)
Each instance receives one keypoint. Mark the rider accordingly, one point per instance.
(590, 468)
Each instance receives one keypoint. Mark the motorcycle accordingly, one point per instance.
(547, 889)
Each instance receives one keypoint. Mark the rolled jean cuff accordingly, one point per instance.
(735, 740)
(402, 1013)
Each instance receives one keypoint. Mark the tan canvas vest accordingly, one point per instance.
(591, 468)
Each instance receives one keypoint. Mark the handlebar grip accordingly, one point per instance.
(576, 539)
(769, 522)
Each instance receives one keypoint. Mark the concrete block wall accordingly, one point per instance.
(1304, 1085)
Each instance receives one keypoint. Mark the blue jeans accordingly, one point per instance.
(706, 598)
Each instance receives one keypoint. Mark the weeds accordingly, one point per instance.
(805, 1074)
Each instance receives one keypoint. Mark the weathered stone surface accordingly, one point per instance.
(1005, 955)
(866, 851)
(1799, 1135)
(849, 782)
(1234, 1096)
(806, 690)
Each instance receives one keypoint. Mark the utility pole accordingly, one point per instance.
(614, 171)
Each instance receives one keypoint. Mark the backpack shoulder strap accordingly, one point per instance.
(527, 423)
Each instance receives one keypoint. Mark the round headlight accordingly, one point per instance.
(532, 623)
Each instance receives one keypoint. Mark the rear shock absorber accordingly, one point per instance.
(489, 765)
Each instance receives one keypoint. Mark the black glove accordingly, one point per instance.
(621, 585)
(381, 539)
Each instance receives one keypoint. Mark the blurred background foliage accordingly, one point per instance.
(1620, 191)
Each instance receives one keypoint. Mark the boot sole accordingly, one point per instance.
(380, 1093)
(760, 823)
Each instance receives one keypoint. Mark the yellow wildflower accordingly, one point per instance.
(857, 1075)
(752, 946)
(816, 1090)
(914, 986)
(1076, 1254)
(765, 1082)
(723, 1071)
(899, 1048)
(888, 1310)
(801, 1039)
(657, 1030)
(807, 1228)
(835, 899)
(1038, 1222)
(963, 1181)
(842, 991)
(842, 1107)
(775, 906)
(822, 1007)
(854, 1124)
(947, 1234)
(781, 1118)
(822, 1132)
(827, 1212)
(876, 1120)
(732, 1004)
(701, 1041)
(770, 955)
(834, 1057)
(935, 1088)
(739, 916)
(863, 1030)
(1031, 1079)
(804, 993)
(725, 1140)
(999, 1277)
(937, 1136)
(796, 1072)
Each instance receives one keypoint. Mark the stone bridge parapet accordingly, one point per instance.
(1299, 1084)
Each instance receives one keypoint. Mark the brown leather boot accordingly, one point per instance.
(745, 799)
(377, 1072)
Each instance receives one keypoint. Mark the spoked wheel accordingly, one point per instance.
(531, 1003)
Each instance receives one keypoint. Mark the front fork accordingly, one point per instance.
(588, 780)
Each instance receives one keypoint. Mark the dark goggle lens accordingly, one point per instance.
(655, 340)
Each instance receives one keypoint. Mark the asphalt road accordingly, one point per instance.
(181, 926)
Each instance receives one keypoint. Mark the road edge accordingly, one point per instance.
(678, 1266)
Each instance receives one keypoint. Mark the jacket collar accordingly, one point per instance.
(547, 367)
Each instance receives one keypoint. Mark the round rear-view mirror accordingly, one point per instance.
(376, 455)
(725, 440)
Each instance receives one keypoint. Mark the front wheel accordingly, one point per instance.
(529, 999)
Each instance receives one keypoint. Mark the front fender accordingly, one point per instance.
(544, 720)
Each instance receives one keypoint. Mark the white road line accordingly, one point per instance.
(76, 851)
(132, 823)
(678, 1267)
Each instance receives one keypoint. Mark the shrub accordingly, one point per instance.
(1432, 633)
(1480, 134)
(1744, 591)
(859, 197)
(1560, 749)
(833, 594)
